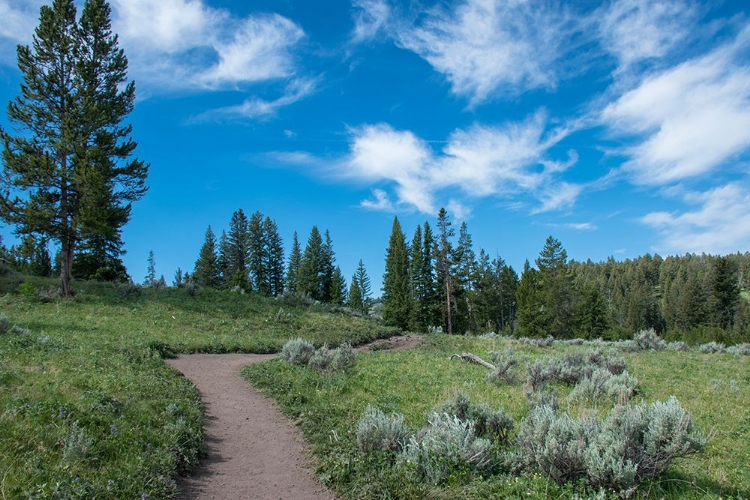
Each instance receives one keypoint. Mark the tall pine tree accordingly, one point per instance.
(274, 255)
(293, 269)
(444, 266)
(207, 272)
(238, 251)
(396, 286)
(68, 176)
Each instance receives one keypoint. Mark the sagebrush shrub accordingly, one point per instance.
(504, 362)
(76, 444)
(448, 444)
(542, 371)
(603, 384)
(492, 424)
(713, 347)
(327, 360)
(678, 345)
(377, 431)
(632, 444)
(343, 358)
(321, 359)
(554, 443)
(542, 397)
(297, 351)
(5, 324)
(648, 340)
(739, 349)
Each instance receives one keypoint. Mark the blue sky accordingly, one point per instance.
(619, 127)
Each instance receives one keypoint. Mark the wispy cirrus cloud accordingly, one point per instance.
(484, 47)
(257, 108)
(370, 18)
(688, 120)
(719, 224)
(19, 18)
(637, 30)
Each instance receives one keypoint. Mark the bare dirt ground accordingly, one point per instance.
(254, 452)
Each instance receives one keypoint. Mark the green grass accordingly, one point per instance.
(89, 409)
(715, 389)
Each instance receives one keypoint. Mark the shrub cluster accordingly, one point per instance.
(632, 444)
(572, 368)
(301, 352)
(459, 436)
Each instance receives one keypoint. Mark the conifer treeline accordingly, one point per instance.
(436, 282)
(250, 257)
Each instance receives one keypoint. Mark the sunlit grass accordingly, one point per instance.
(89, 409)
(715, 389)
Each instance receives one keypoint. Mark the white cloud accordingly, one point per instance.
(719, 225)
(256, 108)
(481, 161)
(487, 46)
(690, 119)
(381, 202)
(459, 211)
(186, 44)
(370, 17)
(19, 19)
(558, 196)
(636, 30)
(581, 226)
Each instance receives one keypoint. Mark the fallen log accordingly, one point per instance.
(473, 358)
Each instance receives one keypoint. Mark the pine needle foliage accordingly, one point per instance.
(68, 176)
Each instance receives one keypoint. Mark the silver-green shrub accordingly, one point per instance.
(377, 431)
(632, 444)
(504, 362)
(343, 358)
(326, 360)
(602, 384)
(739, 349)
(76, 444)
(648, 340)
(297, 351)
(321, 359)
(542, 397)
(446, 445)
(542, 371)
(554, 443)
(5, 324)
(495, 425)
(713, 347)
(678, 345)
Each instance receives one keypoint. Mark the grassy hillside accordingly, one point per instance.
(714, 388)
(89, 409)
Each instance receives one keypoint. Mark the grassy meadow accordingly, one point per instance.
(89, 409)
(715, 389)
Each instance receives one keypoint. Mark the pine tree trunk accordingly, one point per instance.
(66, 269)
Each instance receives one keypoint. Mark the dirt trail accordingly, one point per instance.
(254, 452)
